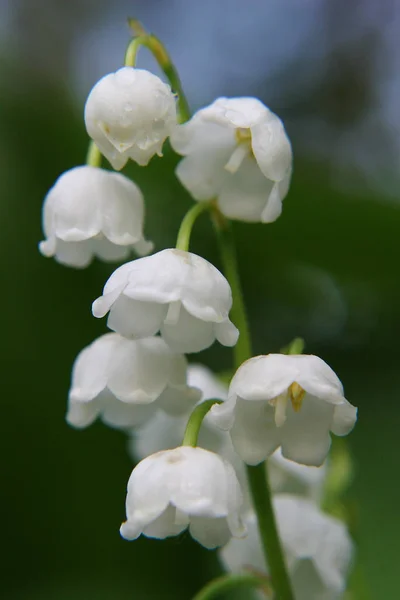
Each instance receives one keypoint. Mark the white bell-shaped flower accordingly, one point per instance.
(184, 487)
(92, 212)
(317, 547)
(129, 114)
(236, 150)
(286, 476)
(289, 401)
(125, 381)
(164, 431)
(175, 292)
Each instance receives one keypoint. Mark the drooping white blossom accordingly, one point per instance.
(165, 431)
(286, 476)
(289, 401)
(125, 381)
(317, 547)
(92, 212)
(236, 150)
(175, 292)
(129, 114)
(184, 487)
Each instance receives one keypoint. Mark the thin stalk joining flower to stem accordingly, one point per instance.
(195, 420)
(258, 475)
(94, 156)
(185, 230)
(226, 583)
(161, 55)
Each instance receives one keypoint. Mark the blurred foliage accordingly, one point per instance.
(327, 271)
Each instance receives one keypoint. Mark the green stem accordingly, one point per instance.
(296, 346)
(242, 351)
(161, 55)
(185, 230)
(258, 475)
(270, 542)
(226, 583)
(93, 157)
(195, 421)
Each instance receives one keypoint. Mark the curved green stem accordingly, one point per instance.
(185, 230)
(258, 475)
(93, 157)
(195, 421)
(242, 351)
(270, 542)
(226, 583)
(161, 55)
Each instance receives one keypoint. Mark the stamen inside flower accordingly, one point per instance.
(243, 134)
(280, 409)
(173, 313)
(237, 157)
(296, 393)
(243, 149)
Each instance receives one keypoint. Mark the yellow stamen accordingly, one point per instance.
(242, 134)
(296, 393)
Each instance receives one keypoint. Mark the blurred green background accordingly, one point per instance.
(326, 270)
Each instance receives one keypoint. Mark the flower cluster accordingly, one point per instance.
(278, 408)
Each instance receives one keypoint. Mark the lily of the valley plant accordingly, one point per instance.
(242, 465)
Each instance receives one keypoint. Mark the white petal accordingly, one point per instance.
(273, 209)
(317, 378)
(203, 174)
(139, 370)
(243, 113)
(271, 147)
(290, 477)
(108, 251)
(121, 415)
(240, 554)
(264, 377)
(91, 369)
(308, 534)
(226, 333)
(165, 525)
(254, 433)
(305, 434)
(203, 484)
(189, 334)
(161, 432)
(122, 209)
(210, 533)
(136, 319)
(74, 254)
(74, 202)
(344, 418)
(143, 247)
(48, 247)
(202, 136)
(201, 377)
(147, 497)
(223, 415)
(82, 414)
(245, 194)
(178, 398)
